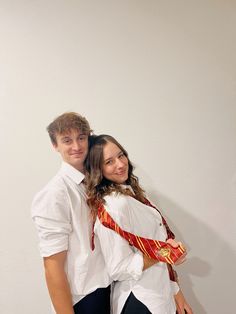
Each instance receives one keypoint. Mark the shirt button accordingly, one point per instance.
(160, 224)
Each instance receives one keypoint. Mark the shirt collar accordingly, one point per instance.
(128, 187)
(72, 173)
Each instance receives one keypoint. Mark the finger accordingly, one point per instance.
(178, 310)
(180, 261)
(188, 309)
(182, 245)
(173, 243)
(182, 258)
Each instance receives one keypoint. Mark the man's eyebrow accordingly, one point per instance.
(65, 136)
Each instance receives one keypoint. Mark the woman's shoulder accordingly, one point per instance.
(118, 204)
(116, 199)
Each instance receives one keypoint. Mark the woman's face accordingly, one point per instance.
(115, 164)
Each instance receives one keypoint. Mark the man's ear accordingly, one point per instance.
(55, 146)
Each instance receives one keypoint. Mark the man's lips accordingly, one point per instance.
(77, 154)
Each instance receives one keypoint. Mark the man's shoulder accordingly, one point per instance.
(55, 184)
(54, 189)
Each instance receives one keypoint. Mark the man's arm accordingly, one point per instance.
(57, 283)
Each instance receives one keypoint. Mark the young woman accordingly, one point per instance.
(142, 285)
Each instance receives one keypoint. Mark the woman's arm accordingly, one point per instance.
(181, 304)
(148, 262)
(175, 244)
(122, 262)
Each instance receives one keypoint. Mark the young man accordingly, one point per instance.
(75, 274)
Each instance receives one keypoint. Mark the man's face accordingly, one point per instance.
(73, 147)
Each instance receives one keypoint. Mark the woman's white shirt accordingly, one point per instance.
(124, 263)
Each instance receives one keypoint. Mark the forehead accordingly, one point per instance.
(70, 133)
(110, 150)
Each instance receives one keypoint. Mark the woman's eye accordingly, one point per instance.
(108, 162)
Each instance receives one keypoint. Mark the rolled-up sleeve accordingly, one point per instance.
(123, 262)
(51, 215)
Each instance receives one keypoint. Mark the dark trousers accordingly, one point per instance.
(94, 303)
(134, 306)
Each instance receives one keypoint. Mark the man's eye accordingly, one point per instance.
(67, 140)
(82, 137)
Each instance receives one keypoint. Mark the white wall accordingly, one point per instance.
(158, 75)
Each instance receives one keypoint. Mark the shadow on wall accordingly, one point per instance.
(211, 260)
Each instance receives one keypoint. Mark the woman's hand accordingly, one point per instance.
(175, 244)
(182, 307)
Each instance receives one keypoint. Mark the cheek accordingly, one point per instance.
(106, 171)
(85, 146)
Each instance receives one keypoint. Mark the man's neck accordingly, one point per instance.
(79, 168)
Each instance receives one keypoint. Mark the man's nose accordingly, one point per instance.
(75, 145)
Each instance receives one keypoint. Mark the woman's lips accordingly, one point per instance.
(121, 172)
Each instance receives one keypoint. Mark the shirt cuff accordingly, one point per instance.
(48, 250)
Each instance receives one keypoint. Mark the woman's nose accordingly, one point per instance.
(119, 163)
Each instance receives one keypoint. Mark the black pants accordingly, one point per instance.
(134, 306)
(94, 303)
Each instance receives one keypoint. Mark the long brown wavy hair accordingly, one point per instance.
(98, 186)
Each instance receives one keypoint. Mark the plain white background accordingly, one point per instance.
(158, 75)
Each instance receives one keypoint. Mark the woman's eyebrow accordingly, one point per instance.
(108, 158)
(117, 154)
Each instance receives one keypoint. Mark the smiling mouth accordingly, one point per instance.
(77, 154)
(121, 173)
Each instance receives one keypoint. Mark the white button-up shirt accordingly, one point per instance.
(63, 221)
(152, 286)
